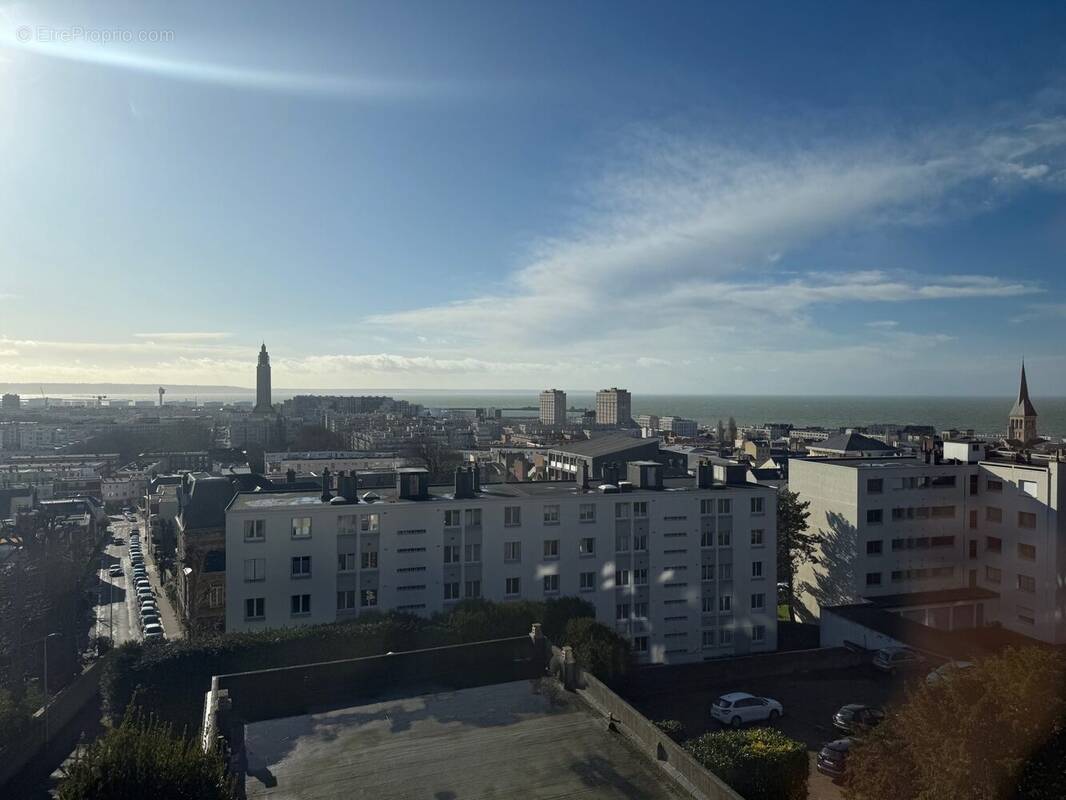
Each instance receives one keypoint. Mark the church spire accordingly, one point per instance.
(1022, 423)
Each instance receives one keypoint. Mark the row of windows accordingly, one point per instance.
(1024, 583)
(877, 485)
(875, 516)
(917, 574)
(875, 547)
(1026, 552)
(1026, 519)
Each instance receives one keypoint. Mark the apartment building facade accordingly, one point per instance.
(553, 407)
(684, 568)
(899, 526)
(614, 407)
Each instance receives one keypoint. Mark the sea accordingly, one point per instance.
(985, 415)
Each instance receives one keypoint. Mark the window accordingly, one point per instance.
(1026, 615)
(756, 569)
(512, 586)
(1026, 583)
(512, 551)
(254, 569)
(472, 553)
(994, 485)
(621, 611)
(368, 598)
(875, 485)
(621, 510)
(301, 566)
(725, 506)
(587, 546)
(993, 514)
(512, 516)
(453, 518)
(757, 535)
(726, 636)
(301, 527)
(551, 584)
(451, 554)
(758, 633)
(706, 506)
(345, 562)
(941, 541)
(1027, 552)
(551, 515)
(708, 605)
(347, 524)
(640, 644)
(993, 544)
(873, 578)
(254, 530)
(707, 572)
(874, 516)
(640, 542)
(621, 577)
(973, 520)
(993, 574)
(255, 608)
(621, 542)
(587, 581)
(451, 590)
(757, 505)
(707, 638)
(300, 604)
(725, 538)
(943, 512)
(640, 576)
(1027, 520)
(873, 548)
(725, 602)
(473, 517)
(758, 601)
(346, 600)
(473, 589)
(215, 598)
(587, 512)
(640, 509)
(725, 572)
(974, 482)
(369, 523)
(551, 548)
(1028, 487)
(942, 481)
(369, 560)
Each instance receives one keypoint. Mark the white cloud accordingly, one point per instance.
(183, 336)
(883, 324)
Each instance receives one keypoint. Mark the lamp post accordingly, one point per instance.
(46, 696)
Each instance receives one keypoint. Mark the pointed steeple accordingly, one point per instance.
(1022, 423)
(1024, 406)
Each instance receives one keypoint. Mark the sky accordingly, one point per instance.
(706, 198)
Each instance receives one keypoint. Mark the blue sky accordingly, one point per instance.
(702, 198)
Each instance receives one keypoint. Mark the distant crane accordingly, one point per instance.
(162, 392)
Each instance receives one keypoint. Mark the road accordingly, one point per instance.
(118, 612)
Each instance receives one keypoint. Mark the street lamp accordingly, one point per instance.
(45, 640)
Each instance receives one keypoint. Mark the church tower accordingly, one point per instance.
(262, 384)
(1022, 424)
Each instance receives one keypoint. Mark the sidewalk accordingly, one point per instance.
(171, 624)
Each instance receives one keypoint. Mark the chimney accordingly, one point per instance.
(584, 475)
(290, 476)
(464, 483)
(704, 475)
(475, 470)
(326, 485)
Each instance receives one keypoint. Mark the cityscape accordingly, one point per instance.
(735, 472)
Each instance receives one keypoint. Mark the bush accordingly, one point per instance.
(559, 611)
(758, 763)
(672, 728)
(15, 715)
(143, 758)
(598, 649)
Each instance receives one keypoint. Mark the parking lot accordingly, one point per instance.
(810, 699)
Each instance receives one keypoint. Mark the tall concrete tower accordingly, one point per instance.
(1022, 423)
(262, 383)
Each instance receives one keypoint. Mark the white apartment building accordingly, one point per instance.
(679, 426)
(983, 531)
(553, 407)
(685, 568)
(614, 407)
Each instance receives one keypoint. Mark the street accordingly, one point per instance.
(117, 612)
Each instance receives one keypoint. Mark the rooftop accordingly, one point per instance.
(960, 594)
(852, 443)
(517, 739)
(604, 445)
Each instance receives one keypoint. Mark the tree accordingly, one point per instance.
(794, 545)
(598, 649)
(731, 431)
(719, 433)
(141, 758)
(993, 731)
(439, 459)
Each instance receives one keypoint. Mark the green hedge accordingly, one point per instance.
(599, 649)
(169, 681)
(758, 763)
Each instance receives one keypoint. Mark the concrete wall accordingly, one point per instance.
(836, 631)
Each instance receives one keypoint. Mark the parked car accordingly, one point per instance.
(115, 571)
(150, 619)
(893, 659)
(945, 672)
(736, 708)
(854, 717)
(153, 631)
(149, 606)
(833, 758)
(144, 592)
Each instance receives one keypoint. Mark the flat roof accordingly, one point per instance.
(518, 739)
(960, 594)
(886, 462)
(603, 445)
(251, 501)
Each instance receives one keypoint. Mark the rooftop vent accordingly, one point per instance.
(326, 486)
(607, 488)
(412, 483)
(646, 474)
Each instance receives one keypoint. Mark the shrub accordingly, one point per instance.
(15, 715)
(758, 763)
(598, 649)
(672, 728)
(143, 758)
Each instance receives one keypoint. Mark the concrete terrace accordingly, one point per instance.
(518, 739)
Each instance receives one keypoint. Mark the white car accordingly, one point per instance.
(115, 571)
(153, 631)
(945, 672)
(894, 659)
(736, 708)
